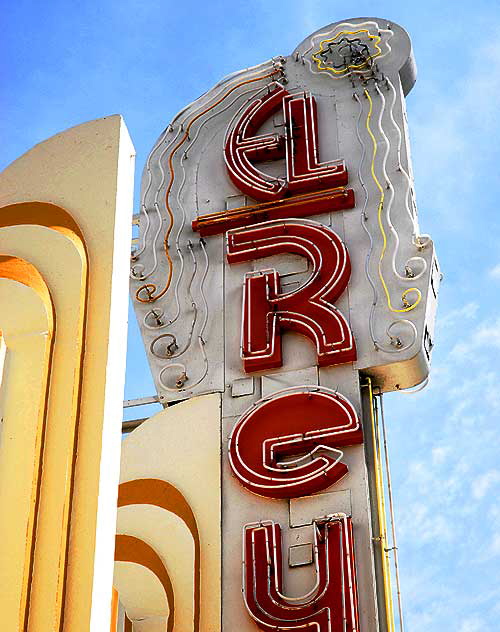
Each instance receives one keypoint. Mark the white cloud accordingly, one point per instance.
(454, 317)
(487, 334)
(475, 392)
(495, 545)
(431, 525)
(452, 125)
(494, 512)
(494, 273)
(472, 624)
(482, 485)
(439, 454)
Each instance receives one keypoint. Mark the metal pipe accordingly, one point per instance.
(141, 401)
(379, 487)
(393, 522)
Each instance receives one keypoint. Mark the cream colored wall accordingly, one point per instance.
(87, 171)
(153, 603)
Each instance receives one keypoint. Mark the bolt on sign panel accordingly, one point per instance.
(280, 269)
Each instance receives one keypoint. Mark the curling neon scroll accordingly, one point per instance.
(149, 293)
(163, 210)
(355, 53)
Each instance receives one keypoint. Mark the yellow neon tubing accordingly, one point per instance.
(379, 486)
(319, 63)
(407, 307)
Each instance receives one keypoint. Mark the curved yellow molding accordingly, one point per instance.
(151, 491)
(23, 272)
(27, 329)
(131, 549)
(33, 230)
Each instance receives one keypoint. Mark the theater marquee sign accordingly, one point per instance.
(280, 278)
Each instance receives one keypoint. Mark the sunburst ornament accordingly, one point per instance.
(342, 54)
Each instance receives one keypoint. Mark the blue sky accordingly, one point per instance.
(64, 63)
